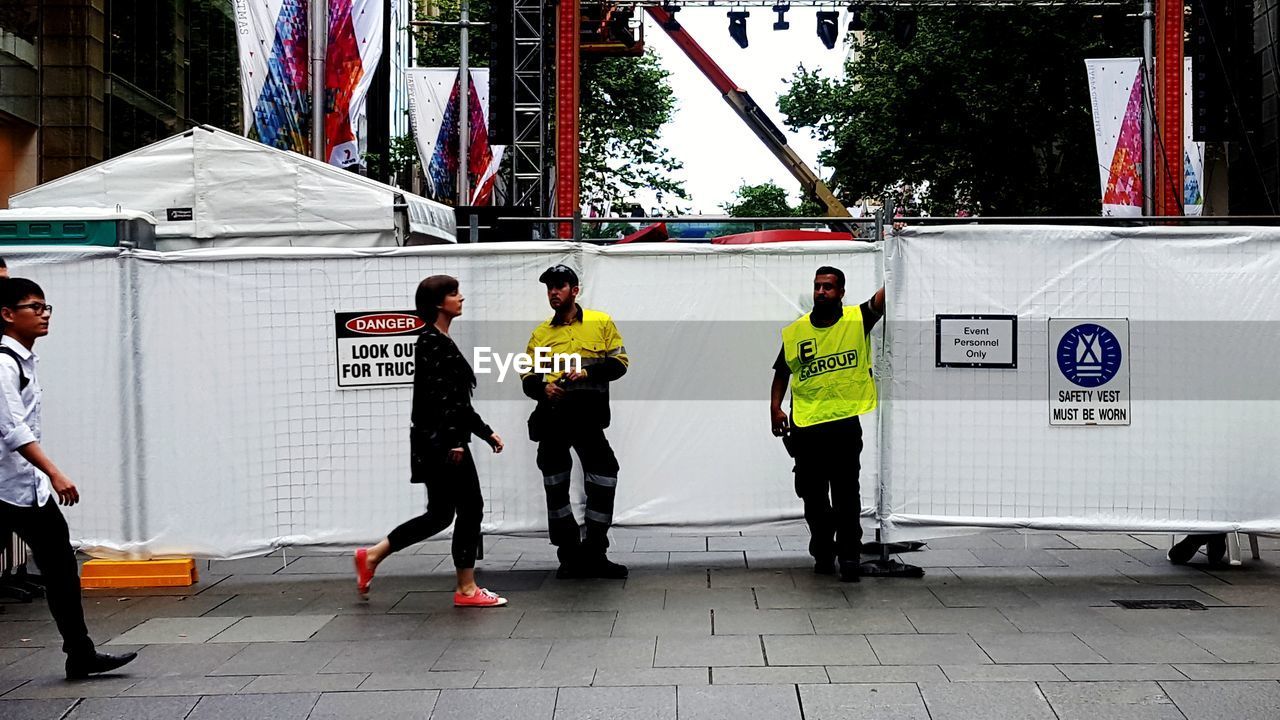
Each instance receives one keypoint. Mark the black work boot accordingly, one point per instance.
(80, 666)
(824, 566)
(570, 562)
(597, 565)
(1185, 549)
(850, 571)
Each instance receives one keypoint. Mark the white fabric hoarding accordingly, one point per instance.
(975, 447)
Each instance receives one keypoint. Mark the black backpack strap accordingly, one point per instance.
(23, 380)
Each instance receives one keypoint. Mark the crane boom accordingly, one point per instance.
(750, 112)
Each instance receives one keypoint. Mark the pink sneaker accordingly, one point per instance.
(481, 598)
(364, 573)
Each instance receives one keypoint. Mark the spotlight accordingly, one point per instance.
(781, 9)
(856, 21)
(827, 28)
(738, 26)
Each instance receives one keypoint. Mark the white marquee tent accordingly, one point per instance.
(211, 188)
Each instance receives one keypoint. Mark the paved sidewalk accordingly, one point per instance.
(708, 627)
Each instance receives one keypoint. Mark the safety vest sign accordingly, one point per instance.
(375, 347)
(1089, 371)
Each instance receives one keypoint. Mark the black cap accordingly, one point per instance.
(559, 274)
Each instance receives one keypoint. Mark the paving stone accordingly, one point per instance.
(762, 622)
(1001, 557)
(1132, 648)
(947, 558)
(660, 543)
(1106, 557)
(818, 650)
(964, 701)
(592, 653)
(558, 624)
(654, 623)
(469, 624)
(1240, 648)
(804, 599)
(862, 702)
(960, 594)
(175, 630)
(133, 708)
(305, 683)
(768, 675)
(422, 680)
(1029, 540)
(1029, 648)
(188, 685)
(722, 599)
(486, 654)
(733, 702)
(171, 606)
(1111, 700)
(668, 580)
(879, 674)
(1019, 575)
(639, 677)
(707, 560)
(927, 649)
(536, 678)
(778, 579)
(56, 686)
(369, 627)
(290, 602)
(377, 656)
(34, 709)
(888, 595)
(496, 704)
(389, 705)
(254, 707)
(797, 561)
(758, 543)
(1002, 673)
(296, 658)
(616, 703)
(1131, 672)
(860, 622)
(726, 651)
(1225, 671)
(250, 566)
(288, 628)
(1037, 619)
(959, 620)
(188, 660)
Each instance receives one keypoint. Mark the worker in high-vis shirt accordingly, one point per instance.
(826, 358)
(581, 352)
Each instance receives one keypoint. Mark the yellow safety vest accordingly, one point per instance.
(592, 336)
(830, 369)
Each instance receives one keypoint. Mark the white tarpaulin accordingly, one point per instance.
(210, 188)
(975, 447)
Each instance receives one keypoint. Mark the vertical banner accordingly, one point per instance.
(1115, 88)
(351, 58)
(272, 39)
(433, 107)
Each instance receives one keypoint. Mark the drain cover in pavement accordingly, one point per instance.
(1160, 604)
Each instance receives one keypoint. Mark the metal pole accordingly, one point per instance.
(318, 15)
(464, 112)
(1148, 107)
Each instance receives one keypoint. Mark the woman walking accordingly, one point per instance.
(442, 424)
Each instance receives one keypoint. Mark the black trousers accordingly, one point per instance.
(827, 467)
(600, 470)
(453, 491)
(44, 530)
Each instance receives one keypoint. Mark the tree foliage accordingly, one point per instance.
(624, 104)
(763, 200)
(986, 107)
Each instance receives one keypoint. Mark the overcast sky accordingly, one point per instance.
(718, 151)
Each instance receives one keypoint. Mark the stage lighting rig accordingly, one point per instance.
(828, 30)
(738, 26)
(781, 23)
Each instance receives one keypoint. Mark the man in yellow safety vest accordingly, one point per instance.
(826, 359)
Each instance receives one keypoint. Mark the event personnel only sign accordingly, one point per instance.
(976, 341)
(375, 347)
(1089, 371)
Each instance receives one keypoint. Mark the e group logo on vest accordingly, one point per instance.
(1089, 355)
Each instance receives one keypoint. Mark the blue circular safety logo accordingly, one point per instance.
(1089, 355)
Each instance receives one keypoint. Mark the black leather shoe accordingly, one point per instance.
(604, 568)
(1216, 549)
(850, 572)
(82, 666)
(1184, 550)
(568, 571)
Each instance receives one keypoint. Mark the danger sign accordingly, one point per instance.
(375, 347)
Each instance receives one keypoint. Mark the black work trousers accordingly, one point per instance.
(600, 472)
(827, 467)
(453, 491)
(44, 530)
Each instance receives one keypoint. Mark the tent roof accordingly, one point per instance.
(211, 185)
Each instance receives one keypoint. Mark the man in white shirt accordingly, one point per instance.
(29, 480)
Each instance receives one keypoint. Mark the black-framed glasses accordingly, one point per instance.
(38, 308)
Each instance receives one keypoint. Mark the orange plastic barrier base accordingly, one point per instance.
(138, 573)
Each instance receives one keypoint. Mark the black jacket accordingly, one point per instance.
(442, 384)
